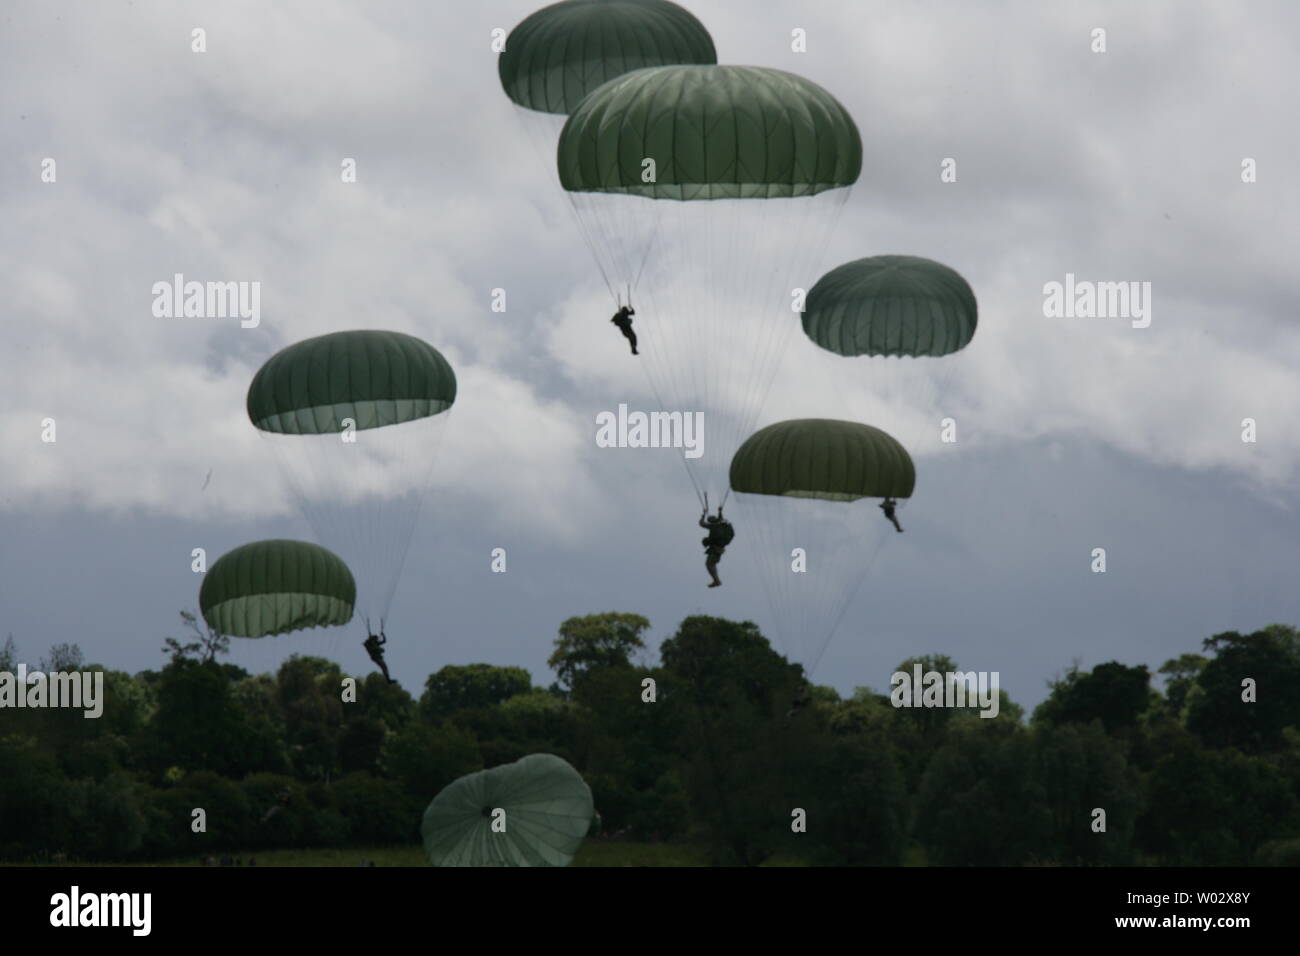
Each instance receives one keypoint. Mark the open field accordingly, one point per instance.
(592, 853)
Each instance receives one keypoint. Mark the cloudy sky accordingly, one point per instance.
(1073, 433)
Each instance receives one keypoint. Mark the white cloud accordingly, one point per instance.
(226, 165)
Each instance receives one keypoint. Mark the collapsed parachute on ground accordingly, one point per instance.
(355, 420)
(800, 487)
(560, 53)
(750, 169)
(545, 811)
(274, 587)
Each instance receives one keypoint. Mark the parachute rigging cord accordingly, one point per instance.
(715, 287)
(809, 489)
(543, 131)
(363, 498)
(727, 238)
(619, 272)
(839, 543)
(355, 420)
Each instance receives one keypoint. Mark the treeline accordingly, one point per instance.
(733, 743)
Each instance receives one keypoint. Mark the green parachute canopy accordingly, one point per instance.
(823, 458)
(374, 378)
(714, 132)
(559, 54)
(891, 305)
(547, 811)
(274, 587)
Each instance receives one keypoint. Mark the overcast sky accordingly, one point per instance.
(1074, 433)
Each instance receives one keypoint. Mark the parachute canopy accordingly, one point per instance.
(891, 305)
(375, 378)
(823, 458)
(714, 132)
(798, 485)
(274, 587)
(547, 806)
(559, 54)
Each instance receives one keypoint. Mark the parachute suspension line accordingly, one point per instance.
(767, 546)
(698, 299)
(771, 244)
(689, 298)
(684, 372)
(662, 322)
(715, 299)
(268, 654)
(645, 252)
(699, 493)
(436, 424)
(847, 599)
(368, 533)
(543, 131)
(840, 545)
(652, 354)
(584, 229)
(363, 499)
(767, 323)
(810, 269)
(727, 338)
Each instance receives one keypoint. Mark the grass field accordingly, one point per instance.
(593, 853)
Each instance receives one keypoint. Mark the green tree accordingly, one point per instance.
(1210, 807)
(633, 753)
(742, 753)
(1180, 675)
(63, 658)
(464, 687)
(856, 802)
(541, 722)
(976, 804)
(361, 743)
(596, 641)
(9, 655)
(309, 694)
(1219, 715)
(380, 811)
(205, 647)
(1078, 768)
(930, 720)
(33, 790)
(390, 703)
(199, 725)
(425, 758)
(106, 817)
(1113, 693)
